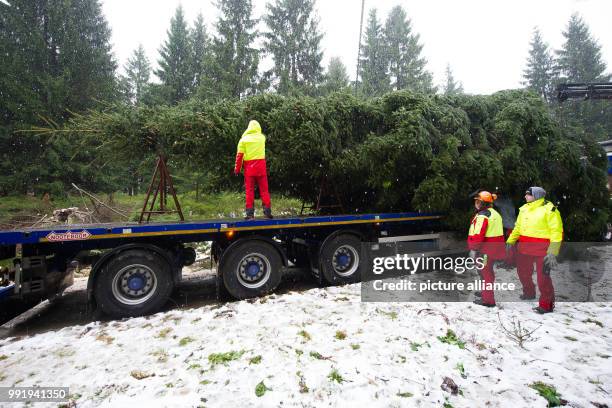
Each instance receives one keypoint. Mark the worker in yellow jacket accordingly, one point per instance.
(252, 155)
(486, 239)
(539, 232)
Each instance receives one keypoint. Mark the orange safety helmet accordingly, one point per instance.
(485, 197)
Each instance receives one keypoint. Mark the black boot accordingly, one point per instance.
(268, 213)
(541, 310)
(480, 302)
(250, 214)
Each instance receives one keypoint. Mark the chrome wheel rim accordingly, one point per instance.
(254, 270)
(134, 284)
(345, 260)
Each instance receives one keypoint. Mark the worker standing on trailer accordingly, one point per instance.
(486, 240)
(252, 154)
(539, 232)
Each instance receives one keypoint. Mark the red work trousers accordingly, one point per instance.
(524, 265)
(262, 184)
(488, 275)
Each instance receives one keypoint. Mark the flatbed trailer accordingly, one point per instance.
(135, 266)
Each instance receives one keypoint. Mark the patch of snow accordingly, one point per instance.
(382, 354)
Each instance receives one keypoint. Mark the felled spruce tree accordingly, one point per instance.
(403, 151)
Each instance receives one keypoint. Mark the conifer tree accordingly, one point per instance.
(452, 87)
(579, 59)
(235, 57)
(56, 59)
(201, 59)
(293, 39)
(539, 73)
(373, 61)
(138, 72)
(406, 65)
(175, 63)
(336, 77)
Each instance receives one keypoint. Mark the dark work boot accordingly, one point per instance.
(250, 214)
(541, 310)
(480, 302)
(268, 213)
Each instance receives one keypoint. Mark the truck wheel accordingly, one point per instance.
(251, 269)
(133, 283)
(342, 260)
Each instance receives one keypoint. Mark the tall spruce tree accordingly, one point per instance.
(293, 39)
(406, 66)
(451, 86)
(235, 58)
(61, 51)
(201, 59)
(539, 74)
(56, 59)
(579, 59)
(336, 77)
(373, 63)
(88, 50)
(138, 72)
(175, 63)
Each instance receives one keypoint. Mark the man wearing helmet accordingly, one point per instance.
(539, 232)
(486, 237)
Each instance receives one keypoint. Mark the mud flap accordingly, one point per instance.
(315, 265)
(221, 291)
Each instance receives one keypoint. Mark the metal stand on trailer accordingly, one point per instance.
(165, 184)
(325, 192)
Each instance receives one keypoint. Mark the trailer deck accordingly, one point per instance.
(81, 232)
(135, 267)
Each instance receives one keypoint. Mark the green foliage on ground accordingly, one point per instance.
(451, 338)
(224, 358)
(548, 392)
(260, 389)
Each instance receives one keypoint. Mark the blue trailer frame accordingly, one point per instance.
(144, 261)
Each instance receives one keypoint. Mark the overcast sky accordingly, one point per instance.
(485, 41)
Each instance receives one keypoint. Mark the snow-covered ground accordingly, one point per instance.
(324, 347)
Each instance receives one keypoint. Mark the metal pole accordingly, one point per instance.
(359, 46)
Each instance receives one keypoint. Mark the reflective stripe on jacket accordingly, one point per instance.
(486, 234)
(252, 151)
(538, 229)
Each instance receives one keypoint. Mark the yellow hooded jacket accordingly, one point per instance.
(538, 229)
(252, 151)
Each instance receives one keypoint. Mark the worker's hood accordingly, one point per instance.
(254, 127)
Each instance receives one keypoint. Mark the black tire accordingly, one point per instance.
(342, 260)
(133, 283)
(251, 269)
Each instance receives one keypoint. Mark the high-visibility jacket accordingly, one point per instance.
(538, 229)
(252, 151)
(486, 234)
